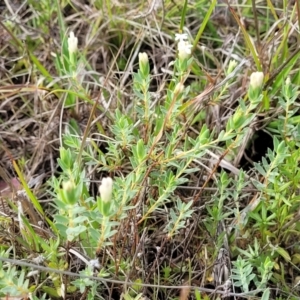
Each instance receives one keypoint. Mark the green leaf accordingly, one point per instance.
(104, 207)
(266, 294)
(281, 148)
(260, 169)
(61, 219)
(141, 150)
(72, 233)
(80, 219)
(279, 81)
(282, 252)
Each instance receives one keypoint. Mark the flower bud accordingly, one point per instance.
(178, 88)
(72, 43)
(232, 65)
(184, 49)
(143, 58)
(144, 64)
(256, 80)
(69, 192)
(287, 88)
(105, 189)
(255, 89)
(68, 185)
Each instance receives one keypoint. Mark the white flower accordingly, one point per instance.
(143, 58)
(105, 189)
(256, 79)
(94, 263)
(184, 49)
(144, 63)
(68, 185)
(181, 37)
(178, 88)
(72, 43)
